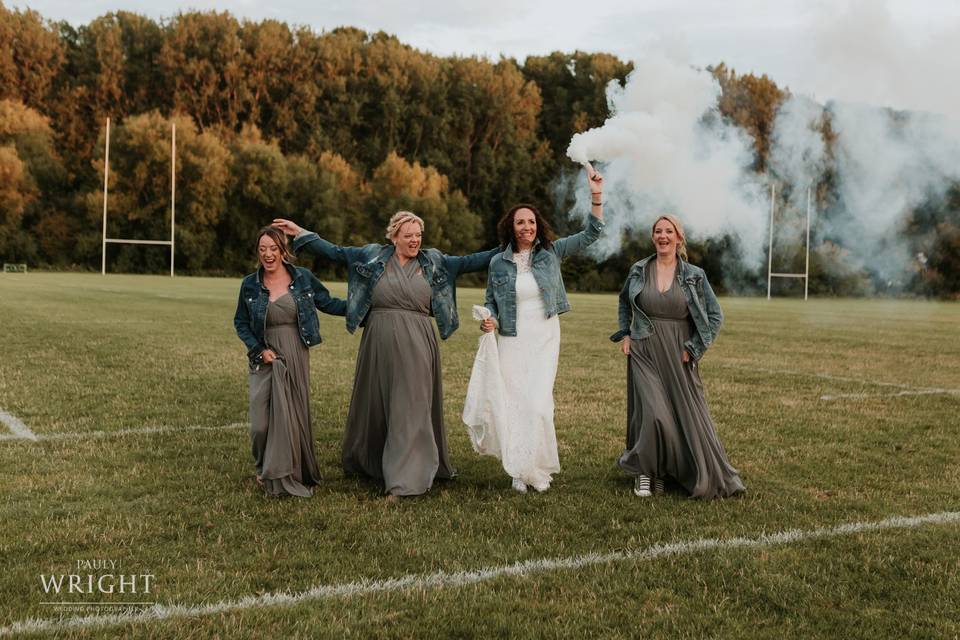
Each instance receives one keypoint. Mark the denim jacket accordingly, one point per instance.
(366, 264)
(251, 317)
(701, 302)
(501, 297)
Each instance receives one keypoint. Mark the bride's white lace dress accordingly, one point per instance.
(519, 430)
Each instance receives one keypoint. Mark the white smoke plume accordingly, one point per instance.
(666, 150)
(885, 162)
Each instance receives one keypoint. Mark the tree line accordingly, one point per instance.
(338, 129)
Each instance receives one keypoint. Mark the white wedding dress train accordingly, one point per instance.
(509, 406)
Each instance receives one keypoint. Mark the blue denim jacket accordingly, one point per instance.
(501, 297)
(366, 264)
(701, 302)
(251, 317)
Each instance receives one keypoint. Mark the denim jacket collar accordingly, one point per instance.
(289, 267)
(388, 251)
(639, 267)
(508, 250)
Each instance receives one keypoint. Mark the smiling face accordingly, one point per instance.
(524, 228)
(407, 239)
(666, 239)
(269, 254)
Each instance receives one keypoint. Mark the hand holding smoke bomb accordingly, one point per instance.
(595, 181)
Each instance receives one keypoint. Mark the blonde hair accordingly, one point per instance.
(399, 219)
(678, 227)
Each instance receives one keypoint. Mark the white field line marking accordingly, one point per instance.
(83, 435)
(442, 579)
(826, 376)
(898, 394)
(17, 428)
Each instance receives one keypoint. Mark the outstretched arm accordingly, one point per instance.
(469, 263)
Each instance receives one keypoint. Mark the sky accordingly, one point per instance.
(784, 39)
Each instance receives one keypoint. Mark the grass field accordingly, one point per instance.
(835, 412)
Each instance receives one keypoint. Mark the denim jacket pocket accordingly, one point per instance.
(500, 281)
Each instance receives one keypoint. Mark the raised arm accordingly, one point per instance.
(578, 241)
(303, 239)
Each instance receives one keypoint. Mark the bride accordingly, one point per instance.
(510, 412)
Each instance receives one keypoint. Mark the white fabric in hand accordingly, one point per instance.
(484, 407)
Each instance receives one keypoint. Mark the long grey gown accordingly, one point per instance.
(395, 427)
(280, 427)
(670, 433)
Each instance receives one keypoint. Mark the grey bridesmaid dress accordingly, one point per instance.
(670, 433)
(280, 425)
(395, 429)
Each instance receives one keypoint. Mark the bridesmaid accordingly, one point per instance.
(395, 432)
(669, 315)
(277, 320)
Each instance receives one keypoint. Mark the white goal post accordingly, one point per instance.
(771, 274)
(173, 195)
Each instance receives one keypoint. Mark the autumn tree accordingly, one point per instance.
(30, 57)
(33, 223)
(398, 185)
(574, 91)
(751, 103)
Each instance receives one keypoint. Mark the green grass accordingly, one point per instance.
(89, 353)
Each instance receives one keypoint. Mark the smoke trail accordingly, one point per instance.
(666, 149)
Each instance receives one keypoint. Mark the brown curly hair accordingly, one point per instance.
(505, 232)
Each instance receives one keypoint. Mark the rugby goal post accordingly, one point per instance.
(771, 274)
(173, 196)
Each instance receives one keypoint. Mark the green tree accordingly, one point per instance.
(329, 197)
(139, 196)
(109, 71)
(495, 155)
(255, 196)
(398, 185)
(204, 68)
